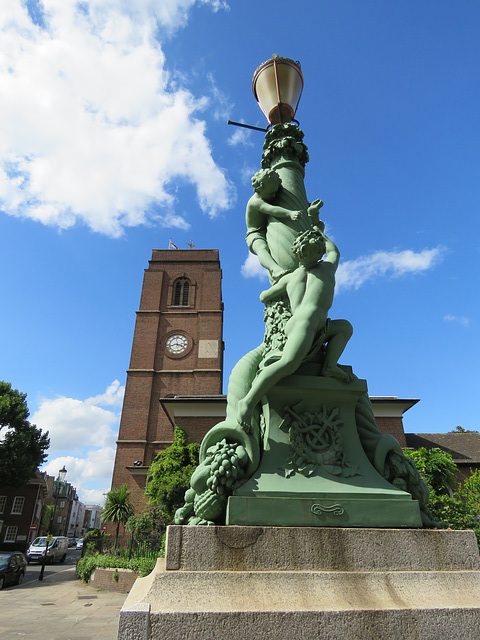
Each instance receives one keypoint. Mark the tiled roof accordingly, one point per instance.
(463, 447)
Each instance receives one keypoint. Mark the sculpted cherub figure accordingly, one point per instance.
(310, 290)
(266, 184)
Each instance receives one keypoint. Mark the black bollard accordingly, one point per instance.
(44, 561)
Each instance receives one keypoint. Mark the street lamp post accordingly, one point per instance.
(265, 462)
(61, 478)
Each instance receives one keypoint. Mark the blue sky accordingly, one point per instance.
(113, 139)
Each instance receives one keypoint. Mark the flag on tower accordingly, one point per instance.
(171, 245)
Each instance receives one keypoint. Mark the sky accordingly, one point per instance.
(114, 140)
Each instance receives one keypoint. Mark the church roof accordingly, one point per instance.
(463, 447)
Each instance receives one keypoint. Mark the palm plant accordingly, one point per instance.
(118, 508)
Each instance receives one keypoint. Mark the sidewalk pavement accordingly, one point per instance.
(59, 608)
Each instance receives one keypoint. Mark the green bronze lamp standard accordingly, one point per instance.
(299, 445)
(56, 492)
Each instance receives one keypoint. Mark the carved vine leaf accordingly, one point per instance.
(284, 141)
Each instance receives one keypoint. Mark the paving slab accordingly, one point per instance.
(54, 609)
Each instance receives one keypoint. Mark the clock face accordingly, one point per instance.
(177, 344)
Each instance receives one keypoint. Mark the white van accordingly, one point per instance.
(57, 549)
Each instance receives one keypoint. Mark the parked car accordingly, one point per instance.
(12, 568)
(80, 543)
(72, 542)
(57, 549)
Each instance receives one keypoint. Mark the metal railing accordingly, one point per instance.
(128, 546)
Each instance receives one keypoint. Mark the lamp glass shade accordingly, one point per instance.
(61, 474)
(281, 105)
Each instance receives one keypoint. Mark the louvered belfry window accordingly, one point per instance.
(181, 293)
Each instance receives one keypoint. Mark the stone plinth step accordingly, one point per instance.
(276, 583)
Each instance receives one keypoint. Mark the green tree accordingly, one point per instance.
(118, 508)
(436, 467)
(454, 504)
(169, 475)
(460, 429)
(45, 518)
(147, 522)
(23, 446)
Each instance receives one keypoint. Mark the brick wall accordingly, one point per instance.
(105, 579)
(31, 493)
(393, 426)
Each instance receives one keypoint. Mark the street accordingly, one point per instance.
(33, 569)
(60, 607)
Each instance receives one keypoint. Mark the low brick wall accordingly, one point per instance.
(106, 579)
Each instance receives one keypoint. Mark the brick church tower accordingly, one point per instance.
(177, 350)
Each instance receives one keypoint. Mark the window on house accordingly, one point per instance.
(181, 293)
(3, 502)
(17, 506)
(59, 519)
(10, 534)
(62, 504)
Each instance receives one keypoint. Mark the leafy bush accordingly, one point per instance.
(147, 522)
(436, 467)
(93, 533)
(87, 565)
(169, 475)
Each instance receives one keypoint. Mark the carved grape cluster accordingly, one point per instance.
(209, 506)
(226, 466)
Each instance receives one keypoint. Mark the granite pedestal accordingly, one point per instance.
(279, 583)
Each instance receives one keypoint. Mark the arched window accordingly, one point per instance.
(181, 291)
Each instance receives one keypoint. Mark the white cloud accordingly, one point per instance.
(352, 274)
(113, 396)
(91, 476)
(82, 437)
(457, 319)
(92, 129)
(74, 424)
(246, 174)
(240, 137)
(252, 268)
(94, 496)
